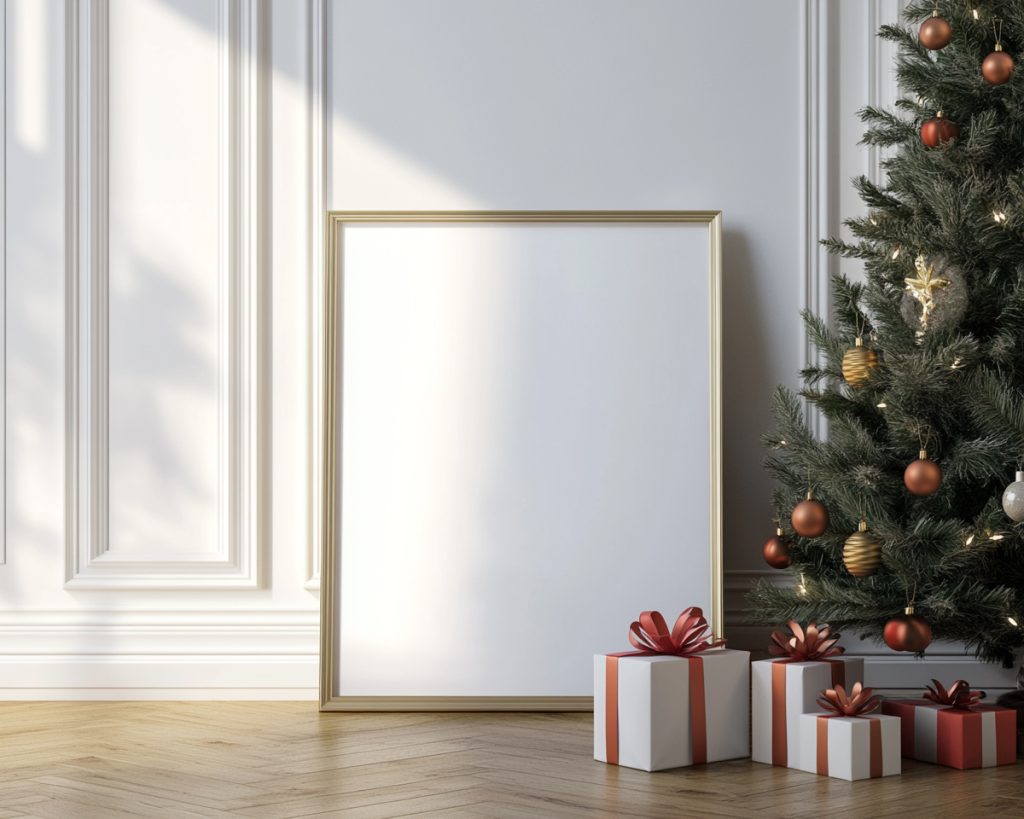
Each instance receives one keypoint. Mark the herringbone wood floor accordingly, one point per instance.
(285, 760)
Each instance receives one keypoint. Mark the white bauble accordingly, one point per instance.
(1013, 499)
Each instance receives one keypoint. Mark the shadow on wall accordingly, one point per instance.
(748, 369)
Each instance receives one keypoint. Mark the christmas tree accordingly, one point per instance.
(941, 315)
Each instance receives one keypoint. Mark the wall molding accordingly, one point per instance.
(234, 560)
(883, 90)
(817, 180)
(316, 100)
(159, 654)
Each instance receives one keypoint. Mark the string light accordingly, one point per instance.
(873, 221)
(1012, 621)
(896, 252)
(883, 405)
(803, 588)
(956, 364)
(999, 216)
(997, 537)
(975, 13)
(970, 540)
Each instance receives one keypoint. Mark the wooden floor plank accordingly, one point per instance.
(288, 761)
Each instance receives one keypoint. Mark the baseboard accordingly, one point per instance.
(458, 704)
(309, 695)
(905, 672)
(179, 677)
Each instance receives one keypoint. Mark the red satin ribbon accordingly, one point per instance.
(780, 732)
(808, 644)
(959, 695)
(650, 634)
(875, 760)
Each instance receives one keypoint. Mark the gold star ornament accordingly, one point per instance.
(922, 288)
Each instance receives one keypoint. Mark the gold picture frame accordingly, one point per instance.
(333, 283)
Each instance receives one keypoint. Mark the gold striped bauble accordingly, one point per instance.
(862, 552)
(858, 364)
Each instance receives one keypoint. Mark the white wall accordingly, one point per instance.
(165, 179)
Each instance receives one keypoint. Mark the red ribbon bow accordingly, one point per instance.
(860, 701)
(959, 694)
(814, 644)
(687, 637)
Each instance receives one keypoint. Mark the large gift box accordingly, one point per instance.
(952, 728)
(679, 700)
(846, 740)
(785, 689)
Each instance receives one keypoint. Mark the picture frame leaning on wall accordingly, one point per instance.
(522, 449)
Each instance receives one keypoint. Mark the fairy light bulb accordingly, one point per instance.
(970, 540)
(896, 252)
(1012, 621)
(803, 587)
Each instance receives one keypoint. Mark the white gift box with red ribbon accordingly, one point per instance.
(782, 691)
(850, 748)
(656, 712)
(677, 700)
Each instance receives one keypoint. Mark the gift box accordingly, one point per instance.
(851, 748)
(953, 728)
(981, 736)
(785, 689)
(655, 710)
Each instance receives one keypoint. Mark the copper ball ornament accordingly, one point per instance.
(859, 363)
(997, 67)
(908, 632)
(862, 552)
(809, 518)
(923, 476)
(938, 131)
(935, 33)
(776, 551)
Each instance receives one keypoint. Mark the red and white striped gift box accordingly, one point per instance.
(981, 736)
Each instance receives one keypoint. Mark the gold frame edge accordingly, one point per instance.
(332, 307)
(459, 704)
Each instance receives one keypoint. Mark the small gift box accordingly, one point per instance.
(786, 688)
(678, 700)
(953, 728)
(846, 742)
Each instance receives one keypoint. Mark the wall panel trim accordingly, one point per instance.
(233, 562)
(316, 100)
(817, 179)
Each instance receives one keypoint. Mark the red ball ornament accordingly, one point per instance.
(776, 551)
(938, 131)
(923, 476)
(810, 518)
(908, 632)
(998, 67)
(935, 32)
